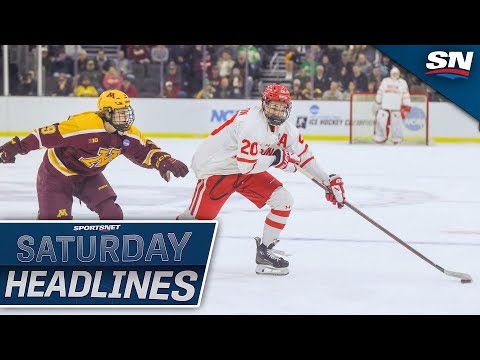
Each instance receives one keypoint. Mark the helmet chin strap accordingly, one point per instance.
(120, 127)
(273, 121)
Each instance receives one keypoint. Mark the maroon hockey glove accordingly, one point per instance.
(285, 160)
(166, 165)
(9, 150)
(336, 195)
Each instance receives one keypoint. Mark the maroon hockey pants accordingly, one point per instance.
(55, 195)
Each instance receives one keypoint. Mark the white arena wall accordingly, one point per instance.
(325, 120)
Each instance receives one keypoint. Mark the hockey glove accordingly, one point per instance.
(167, 165)
(336, 195)
(285, 160)
(405, 111)
(9, 150)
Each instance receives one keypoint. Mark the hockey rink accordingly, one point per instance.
(339, 262)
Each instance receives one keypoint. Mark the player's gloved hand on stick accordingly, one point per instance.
(336, 195)
(285, 160)
(166, 165)
(9, 150)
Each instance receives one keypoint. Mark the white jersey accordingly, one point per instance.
(392, 94)
(245, 144)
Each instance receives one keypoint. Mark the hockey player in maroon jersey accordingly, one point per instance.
(236, 157)
(79, 149)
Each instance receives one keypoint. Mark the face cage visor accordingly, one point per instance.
(276, 119)
(122, 119)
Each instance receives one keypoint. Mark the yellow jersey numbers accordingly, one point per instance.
(47, 130)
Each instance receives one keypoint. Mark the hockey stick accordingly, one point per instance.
(465, 278)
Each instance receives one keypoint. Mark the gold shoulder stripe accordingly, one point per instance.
(133, 132)
(84, 123)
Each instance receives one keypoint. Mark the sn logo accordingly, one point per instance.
(439, 65)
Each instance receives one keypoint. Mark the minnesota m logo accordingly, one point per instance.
(103, 158)
(62, 213)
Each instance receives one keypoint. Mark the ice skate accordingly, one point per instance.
(268, 263)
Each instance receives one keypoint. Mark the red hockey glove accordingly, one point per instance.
(336, 195)
(166, 165)
(405, 110)
(285, 160)
(9, 150)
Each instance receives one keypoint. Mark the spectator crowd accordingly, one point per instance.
(326, 72)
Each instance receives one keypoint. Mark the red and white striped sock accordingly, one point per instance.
(274, 224)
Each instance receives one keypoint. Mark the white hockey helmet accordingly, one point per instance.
(395, 73)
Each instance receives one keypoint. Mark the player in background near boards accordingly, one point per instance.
(236, 157)
(80, 148)
(392, 105)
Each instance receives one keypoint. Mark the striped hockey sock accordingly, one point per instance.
(274, 224)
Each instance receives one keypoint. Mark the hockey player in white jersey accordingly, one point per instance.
(393, 101)
(236, 157)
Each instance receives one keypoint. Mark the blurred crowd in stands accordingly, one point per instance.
(327, 72)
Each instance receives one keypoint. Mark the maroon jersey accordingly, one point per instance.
(80, 146)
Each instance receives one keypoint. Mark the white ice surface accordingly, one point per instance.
(339, 263)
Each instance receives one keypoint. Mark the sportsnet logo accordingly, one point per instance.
(445, 64)
(96, 227)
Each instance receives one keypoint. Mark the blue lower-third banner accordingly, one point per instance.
(108, 263)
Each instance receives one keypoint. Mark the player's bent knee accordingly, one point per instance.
(109, 210)
(281, 199)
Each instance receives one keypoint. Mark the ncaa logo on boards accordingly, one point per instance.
(221, 115)
(314, 109)
(452, 65)
(415, 120)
